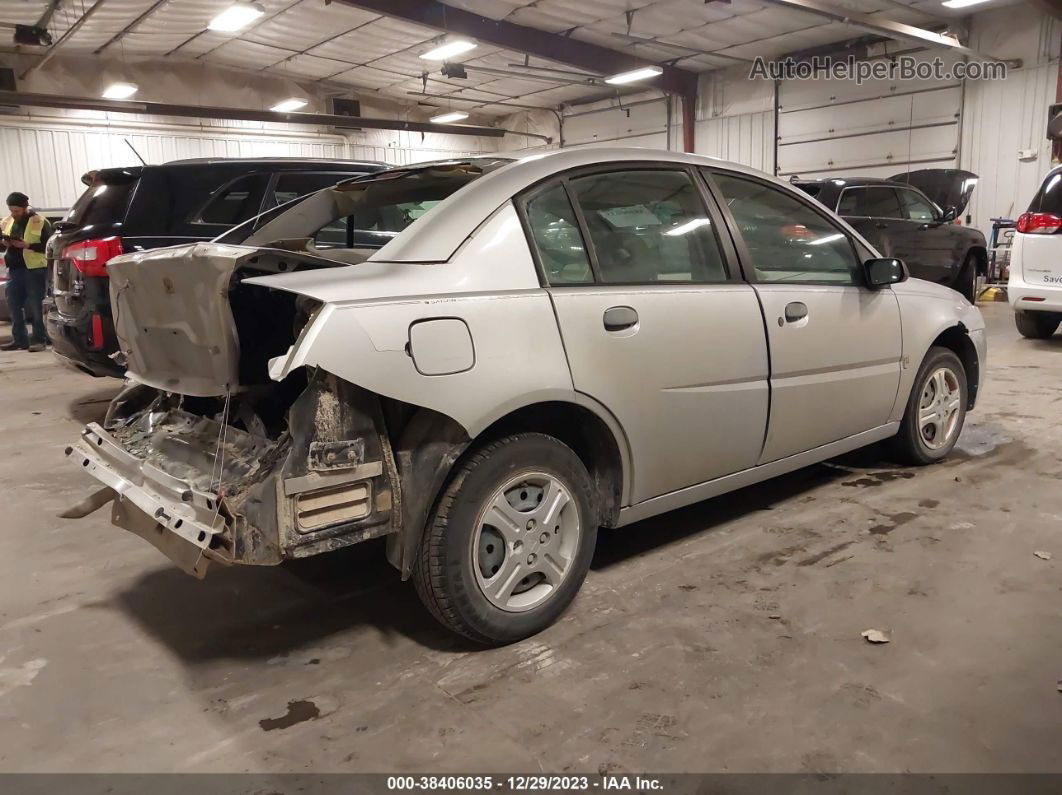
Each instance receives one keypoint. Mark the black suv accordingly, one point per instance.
(902, 217)
(143, 207)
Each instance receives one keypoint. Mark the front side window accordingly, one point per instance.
(870, 202)
(557, 239)
(918, 209)
(649, 226)
(786, 239)
(236, 202)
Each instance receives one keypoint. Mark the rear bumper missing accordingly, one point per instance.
(201, 491)
(167, 511)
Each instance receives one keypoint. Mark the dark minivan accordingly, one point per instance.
(144, 207)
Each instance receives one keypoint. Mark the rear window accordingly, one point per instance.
(1049, 198)
(366, 212)
(104, 202)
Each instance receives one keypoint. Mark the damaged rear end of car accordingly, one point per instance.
(205, 456)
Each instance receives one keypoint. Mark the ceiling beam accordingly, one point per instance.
(239, 114)
(530, 41)
(886, 27)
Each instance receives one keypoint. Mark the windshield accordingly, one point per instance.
(365, 212)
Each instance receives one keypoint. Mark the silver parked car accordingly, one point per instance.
(486, 360)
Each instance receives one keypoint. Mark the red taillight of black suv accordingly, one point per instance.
(1038, 223)
(91, 256)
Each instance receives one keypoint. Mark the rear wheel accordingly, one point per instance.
(511, 540)
(936, 410)
(1036, 325)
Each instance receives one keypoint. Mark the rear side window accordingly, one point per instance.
(104, 203)
(870, 202)
(235, 202)
(557, 238)
(786, 239)
(649, 226)
(1049, 198)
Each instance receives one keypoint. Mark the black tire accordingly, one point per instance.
(444, 574)
(909, 446)
(966, 281)
(1036, 325)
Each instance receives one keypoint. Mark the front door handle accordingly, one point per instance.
(795, 310)
(618, 318)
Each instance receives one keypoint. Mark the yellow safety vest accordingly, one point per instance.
(34, 228)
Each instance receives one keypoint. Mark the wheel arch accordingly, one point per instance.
(430, 446)
(957, 339)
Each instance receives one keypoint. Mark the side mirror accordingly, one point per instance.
(884, 271)
(950, 215)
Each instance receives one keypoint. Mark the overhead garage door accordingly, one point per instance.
(879, 128)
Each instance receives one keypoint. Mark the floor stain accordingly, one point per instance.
(897, 519)
(823, 555)
(878, 478)
(298, 712)
(928, 503)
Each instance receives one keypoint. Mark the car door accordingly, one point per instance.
(657, 325)
(924, 241)
(834, 344)
(874, 211)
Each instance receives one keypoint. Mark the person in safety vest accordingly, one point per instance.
(24, 236)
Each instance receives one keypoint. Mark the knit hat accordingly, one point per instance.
(17, 199)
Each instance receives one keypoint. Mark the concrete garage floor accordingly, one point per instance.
(724, 637)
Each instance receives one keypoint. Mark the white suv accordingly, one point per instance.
(1035, 285)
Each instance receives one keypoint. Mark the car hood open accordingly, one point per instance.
(946, 187)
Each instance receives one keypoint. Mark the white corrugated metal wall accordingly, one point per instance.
(1002, 117)
(45, 156)
(735, 121)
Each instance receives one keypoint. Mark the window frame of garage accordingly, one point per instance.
(728, 254)
(748, 268)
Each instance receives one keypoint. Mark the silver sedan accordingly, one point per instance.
(486, 360)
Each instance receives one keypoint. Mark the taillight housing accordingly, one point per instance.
(91, 256)
(1038, 223)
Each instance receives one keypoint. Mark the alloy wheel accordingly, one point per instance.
(938, 408)
(525, 541)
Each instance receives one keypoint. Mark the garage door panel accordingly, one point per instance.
(800, 94)
(909, 110)
(864, 151)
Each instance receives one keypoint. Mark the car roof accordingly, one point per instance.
(849, 182)
(315, 161)
(441, 232)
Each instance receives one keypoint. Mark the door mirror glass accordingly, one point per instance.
(949, 215)
(884, 271)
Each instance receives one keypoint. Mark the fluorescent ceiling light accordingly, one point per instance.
(119, 90)
(449, 49)
(635, 74)
(962, 3)
(236, 17)
(288, 105)
(456, 115)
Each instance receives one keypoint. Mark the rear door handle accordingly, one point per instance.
(794, 311)
(618, 318)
